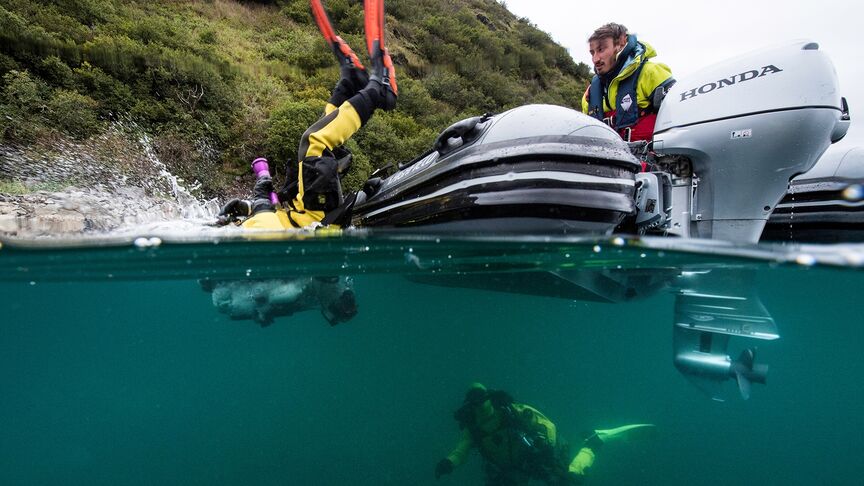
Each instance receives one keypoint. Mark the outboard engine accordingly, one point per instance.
(734, 134)
(713, 308)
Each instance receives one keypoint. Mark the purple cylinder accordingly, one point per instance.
(261, 168)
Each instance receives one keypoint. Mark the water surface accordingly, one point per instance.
(116, 368)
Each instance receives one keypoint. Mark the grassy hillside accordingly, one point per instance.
(219, 82)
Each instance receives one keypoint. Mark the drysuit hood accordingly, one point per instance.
(480, 409)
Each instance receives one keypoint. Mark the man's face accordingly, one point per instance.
(603, 54)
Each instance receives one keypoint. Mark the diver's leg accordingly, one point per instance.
(318, 187)
(353, 75)
(382, 70)
(582, 462)
(584, 458)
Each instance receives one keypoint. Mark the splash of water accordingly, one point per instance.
(189, 206)
(110, 183)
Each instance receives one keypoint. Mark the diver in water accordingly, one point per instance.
(312, 189)
(519, 444)
(264, 300)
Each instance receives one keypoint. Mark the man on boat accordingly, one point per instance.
(627, 88)
(519, 444)
(312, 188)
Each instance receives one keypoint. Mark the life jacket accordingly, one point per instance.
(627, 111)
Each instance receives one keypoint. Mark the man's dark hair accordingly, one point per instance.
(610, 30)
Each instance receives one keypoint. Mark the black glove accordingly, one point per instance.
(233, 211)
(262, 189)
(444, 467)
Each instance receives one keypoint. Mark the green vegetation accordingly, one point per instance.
(17, 188)
(13, 187)
(220, 82)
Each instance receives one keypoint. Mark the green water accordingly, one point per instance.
(116, 368)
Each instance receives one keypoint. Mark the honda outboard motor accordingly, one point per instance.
(735, 133)
(712, 309)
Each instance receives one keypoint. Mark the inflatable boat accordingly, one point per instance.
(533, 168)
(727, 141)
(824, 205)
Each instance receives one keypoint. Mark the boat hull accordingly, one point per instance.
(553, 181)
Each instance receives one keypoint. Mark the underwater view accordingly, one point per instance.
(235, 250)
(121, 363)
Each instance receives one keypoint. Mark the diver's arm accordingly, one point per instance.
(456, 457)
(460, 453)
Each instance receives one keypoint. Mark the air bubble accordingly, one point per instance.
(805, 259)
(853, 192)
(142, 242)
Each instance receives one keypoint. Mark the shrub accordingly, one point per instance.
(286, 125)
(7, 64)
(113, 96)
(73, 113)
(298, 11)
(56, 72)
(207, 37)
(23, 93)
(23, 102)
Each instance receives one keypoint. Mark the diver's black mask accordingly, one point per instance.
(475, 398)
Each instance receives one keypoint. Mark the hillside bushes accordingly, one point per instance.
(245, 79)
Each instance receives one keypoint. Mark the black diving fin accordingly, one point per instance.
(382, 69)
(343, 52)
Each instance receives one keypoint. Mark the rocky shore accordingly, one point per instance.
(108, 183)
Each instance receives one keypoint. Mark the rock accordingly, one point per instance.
(53, 220)
(8, 223)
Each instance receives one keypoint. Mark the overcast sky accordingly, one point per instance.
(690, 35)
